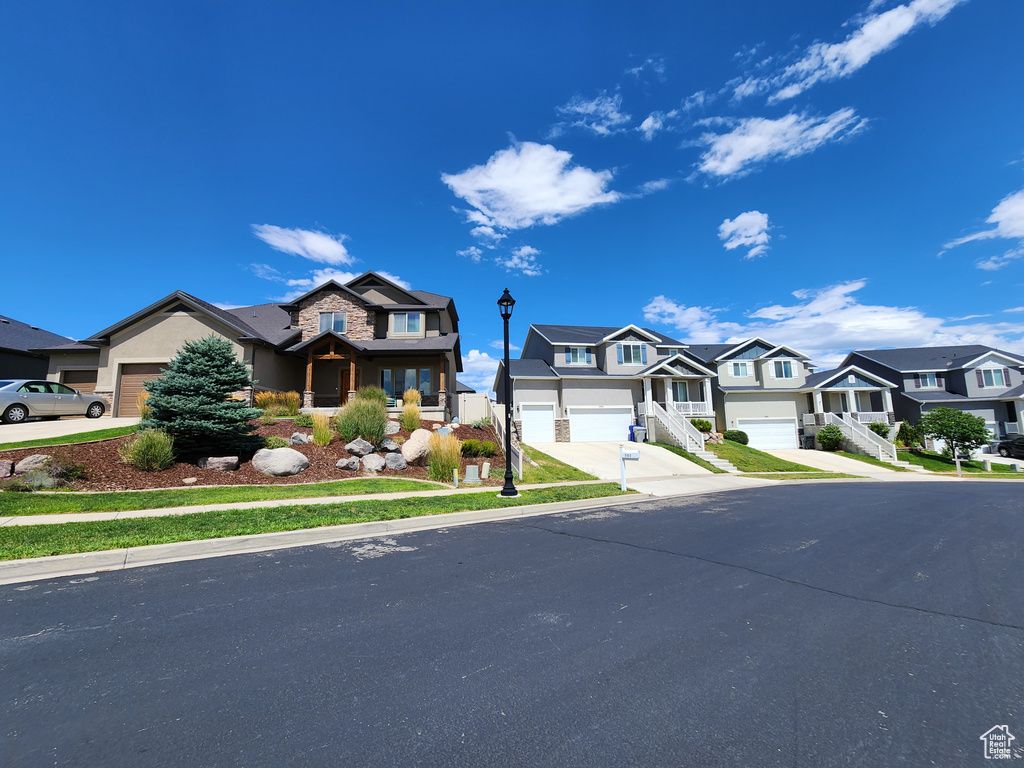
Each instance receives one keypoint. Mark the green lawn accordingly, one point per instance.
(933, 462)
(12, 503)
(871, 460)
(41, 540)
(804, 476)
(549, 470)
(690, 457)
(78, 437)
(747, 459)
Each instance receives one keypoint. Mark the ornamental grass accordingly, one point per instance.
(365, 418)
(443, 457)
(410, 418)
(322, 431)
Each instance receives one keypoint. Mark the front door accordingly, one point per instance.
(343, 386)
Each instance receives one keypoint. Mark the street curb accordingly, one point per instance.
(38, 568)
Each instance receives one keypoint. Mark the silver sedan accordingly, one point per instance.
(22, 399)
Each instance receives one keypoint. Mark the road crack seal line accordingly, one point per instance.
(775, 577)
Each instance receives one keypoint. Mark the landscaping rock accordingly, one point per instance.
(359, 447)
(279, 462)
(189, 481)
(390, 445)
(394, 461)
(373, 463)
(351, 463)
(219, 463)
(414, 450)
(299, 438)
(392, 428)
(6, 469)
(31, 463)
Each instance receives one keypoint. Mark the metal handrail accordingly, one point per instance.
(854, 429)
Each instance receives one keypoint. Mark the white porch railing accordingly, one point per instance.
(682, 430)
(496, 413)
(870, 417)
(692, 408)
(1008, 428)
(858, 433)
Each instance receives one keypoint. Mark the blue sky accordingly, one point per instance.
(830, 176)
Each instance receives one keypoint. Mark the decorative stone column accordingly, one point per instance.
(307, 399)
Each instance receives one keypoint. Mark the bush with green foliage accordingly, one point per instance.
(479, 448)
(364, 417)
(64, 470)
(880, 428)
(410, 417)
(268, 417)
(372, 393)
(470, 447)
(482, 423)
(908, 435)
(830, 437)
(194, 400)
(443, 457)
(274, 442)
(736, 436)
(304, 420)
(150, 450)
(702, 425)
(961, 431)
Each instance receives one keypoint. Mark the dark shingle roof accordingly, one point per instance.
(267, 321)
(460, 387)
(21, 337)
(393, 346)
(910, 359)
(592, 334)
(518, 367)
(708, 353)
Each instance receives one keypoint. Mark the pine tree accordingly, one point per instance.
(193, 400)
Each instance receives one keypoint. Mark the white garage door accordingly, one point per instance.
(599, 425)
(769, 434)
(538, 423)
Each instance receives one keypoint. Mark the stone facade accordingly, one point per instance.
(562, 430)
(361, 321)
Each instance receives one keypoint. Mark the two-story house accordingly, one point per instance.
(975, 378)
(325, 344)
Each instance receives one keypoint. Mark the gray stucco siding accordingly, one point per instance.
(762, 406)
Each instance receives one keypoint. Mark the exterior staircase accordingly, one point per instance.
(678, 431)
(714, 461)
(860, 439)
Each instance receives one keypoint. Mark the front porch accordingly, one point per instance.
(688, 397)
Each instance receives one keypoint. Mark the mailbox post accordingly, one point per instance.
(627, 454)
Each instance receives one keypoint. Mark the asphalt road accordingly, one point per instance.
(804, 625)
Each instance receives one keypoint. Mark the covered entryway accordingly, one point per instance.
(81, 381)
(595, 425)
(538, 422)
(130, 383)
(769, 434)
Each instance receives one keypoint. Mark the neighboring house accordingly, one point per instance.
(772, 393)
(326, 344)
(20, 345)
(587, 383)
(980, 380)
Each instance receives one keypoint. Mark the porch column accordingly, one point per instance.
(670, 397)
(648, 395)
(819, 405)
(851, 401)
(887, 400)
(709, 405)
(442, 392)
(307, 396)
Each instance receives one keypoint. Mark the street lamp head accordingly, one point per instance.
(505, 304)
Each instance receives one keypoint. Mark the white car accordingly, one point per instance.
(22, 399)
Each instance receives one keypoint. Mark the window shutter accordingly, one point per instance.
(1006, 377)
(568, 355)
(618, 352)
(643, 354)
(981, 378)
(588, 355)
(771, 370)
(917, 381)
(938, 381)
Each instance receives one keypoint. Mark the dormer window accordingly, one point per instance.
(929, 381)
(992, 377)
(407, 322)
(740, 370)
(577, 356)
(334, 321)
(782, 369)
(632, 354)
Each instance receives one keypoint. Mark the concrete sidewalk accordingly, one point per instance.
(602, 460)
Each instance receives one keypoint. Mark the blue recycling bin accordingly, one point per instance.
(632, 434)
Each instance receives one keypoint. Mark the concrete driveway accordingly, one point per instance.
(830, 462)
(602, 460)
(41, 430)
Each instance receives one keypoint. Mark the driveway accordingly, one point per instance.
(602, 460)
(830, 462)
(41, 430)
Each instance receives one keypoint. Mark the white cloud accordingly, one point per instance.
(473, 253)
(875, 33)
(265, 271)
(315, 246)
(486, 233)
(317, 277)
(529, 184)
(602, 115)
(655, 64)
(499, 344)
(478, 369)
(523, 259)
(1008, 218)
(748, 230)
(993, 263)
(1014, 309)
(754, 140)
(828, 323)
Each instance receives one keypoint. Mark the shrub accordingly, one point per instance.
(278, 403)
(37, 479)
(830, 437)
(908, 435)
(413, 396)
(268, 417)
(702, 424)
(373, 393)
(443, 457)
(265, 399)
(410, 417)
(150, 450)
(488, 448)
(737, 436)
(274, 442)
(879, 428)
(16, 484)
(481, 423)
(140, 402)
(470, 448)
(291, 401)
(322, 432)
(193, 401)
(304, 420)
(364, 417)
(63, 469)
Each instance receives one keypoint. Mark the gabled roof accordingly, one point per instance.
(17, 336)
(771, 352)
(593, 335)
(932, 359)
(708, 353)
(668, 366)
(823, 378)
(417, 299)
(431, 344)
(268, 320)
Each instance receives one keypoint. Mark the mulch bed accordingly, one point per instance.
(107, 473)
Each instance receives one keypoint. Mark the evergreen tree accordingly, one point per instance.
(193, 400)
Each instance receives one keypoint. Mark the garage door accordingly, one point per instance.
(130, 383)
(769, 434)
(538, 423)
(81, 381)
(599, 425)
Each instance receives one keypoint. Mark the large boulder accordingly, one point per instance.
(279, 462)
(389, 445)
(373, 463)
(415, 449)
(392, 428)
(351, 464)
(359, 447)
(299, 438)
(31, 463)
(220, 463)
(394, 461)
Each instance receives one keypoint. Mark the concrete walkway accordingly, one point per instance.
(602, 460)
(42, 430)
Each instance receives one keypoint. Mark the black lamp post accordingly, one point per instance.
(505, 304)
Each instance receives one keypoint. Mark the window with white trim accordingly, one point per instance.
(929, 381)
(740, 370)
(783, 369)
(680, 392)
(576, 355)
(334, 321)
(407, 322)
(993, 377)
(632, 354)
